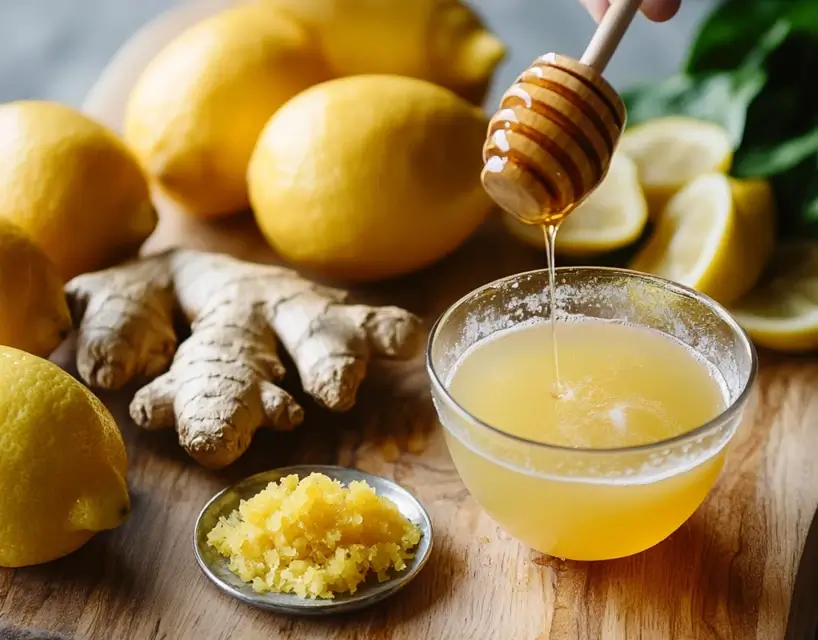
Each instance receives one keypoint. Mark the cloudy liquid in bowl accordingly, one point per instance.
(620, 386)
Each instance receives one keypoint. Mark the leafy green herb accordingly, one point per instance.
(753, 68)
(721, 97)
(777, 158)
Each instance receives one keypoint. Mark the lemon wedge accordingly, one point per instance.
(716, 236)
(612, 217)
(669, 152)
(781, 313)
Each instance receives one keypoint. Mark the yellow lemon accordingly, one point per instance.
(611, 218)
(34, 315)
(444, 42)
(369, 177)
(671, 151)
(72, 186)
(62, 466)
(781, 313)
(716, 235)
(194, 114)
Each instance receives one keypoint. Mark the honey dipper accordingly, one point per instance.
(550, 143)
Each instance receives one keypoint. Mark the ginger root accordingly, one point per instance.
(218, 386)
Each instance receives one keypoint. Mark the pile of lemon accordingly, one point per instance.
(352, 129)
(668, 187)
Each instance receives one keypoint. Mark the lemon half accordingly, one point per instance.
(716, 236)
(669, 152)
(612, 217)
(781, 313)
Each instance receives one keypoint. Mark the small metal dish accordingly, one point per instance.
(223, 503)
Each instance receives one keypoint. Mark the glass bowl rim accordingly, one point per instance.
(733, 409)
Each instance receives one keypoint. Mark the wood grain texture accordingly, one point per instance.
(550, 143)
(729, 573)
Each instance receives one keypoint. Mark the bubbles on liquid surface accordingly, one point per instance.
(560, 391)
(584, 406)
(618, 417)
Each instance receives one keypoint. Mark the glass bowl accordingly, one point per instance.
(590, 504)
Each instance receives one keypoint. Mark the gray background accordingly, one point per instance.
(55, 49)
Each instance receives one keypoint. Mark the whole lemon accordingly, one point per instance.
(62, 466)
(444, 42)
(72, 186)
(194, 114)
(34, 315)
(369, 177)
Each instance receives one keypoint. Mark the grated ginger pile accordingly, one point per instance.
(314, 538)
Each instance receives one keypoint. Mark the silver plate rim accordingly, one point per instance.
(367, 595)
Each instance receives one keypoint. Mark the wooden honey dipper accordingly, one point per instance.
(550, 143)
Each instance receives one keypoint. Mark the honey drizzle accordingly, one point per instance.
(568, 187)
(550, 235)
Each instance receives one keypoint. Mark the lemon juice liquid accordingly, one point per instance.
(620, 386)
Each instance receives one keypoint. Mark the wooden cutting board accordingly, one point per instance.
(734, 571)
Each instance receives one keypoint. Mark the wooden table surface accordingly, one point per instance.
(734, 571)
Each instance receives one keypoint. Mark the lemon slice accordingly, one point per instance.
(716, 235)
(781, 313)
(669, 152)
(612, 217)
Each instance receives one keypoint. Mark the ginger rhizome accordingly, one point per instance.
(219, 385)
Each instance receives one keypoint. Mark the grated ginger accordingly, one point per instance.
(314, 538)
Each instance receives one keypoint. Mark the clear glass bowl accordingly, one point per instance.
(590, 504)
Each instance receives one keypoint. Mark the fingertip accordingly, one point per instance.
(660, 10)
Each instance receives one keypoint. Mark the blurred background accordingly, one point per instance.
(55, 49)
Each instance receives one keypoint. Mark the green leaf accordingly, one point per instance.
(776, 158)
(719, 97)
(796, 194)
(723, 97)
(732, 30)
(782, 123)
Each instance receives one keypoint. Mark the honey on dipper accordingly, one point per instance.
(550, 143)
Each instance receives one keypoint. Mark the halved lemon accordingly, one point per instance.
(781, 313)
(670, 152)
(716, 236)
(612, 217)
